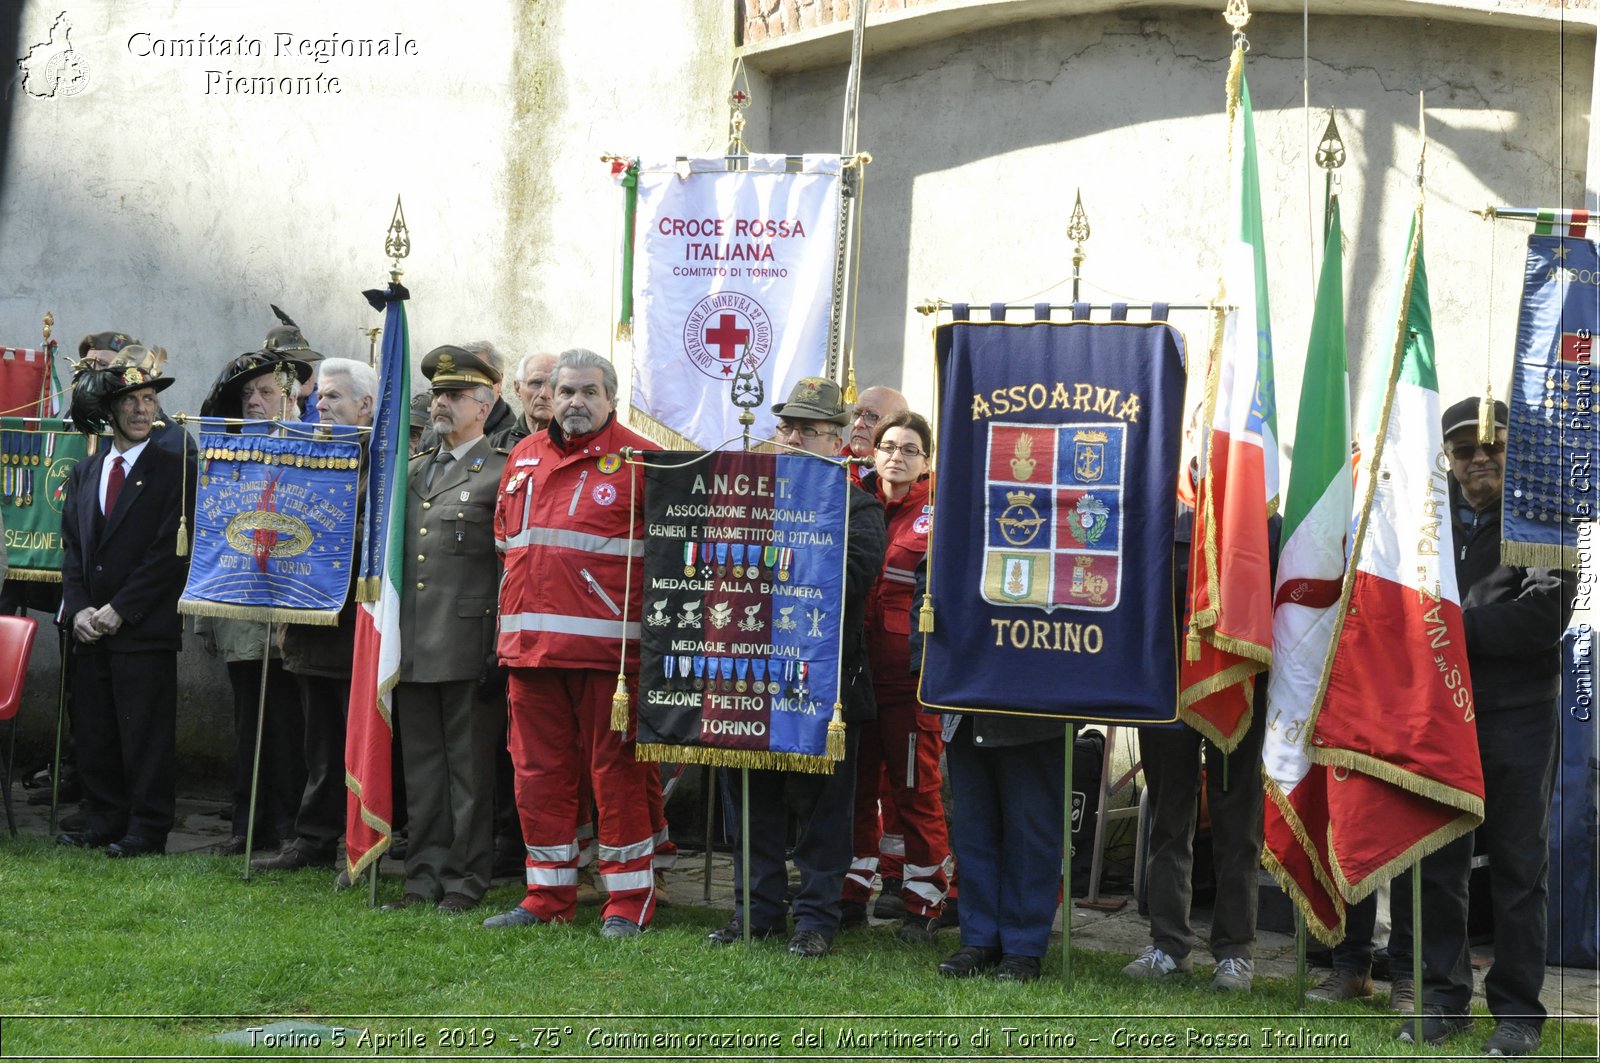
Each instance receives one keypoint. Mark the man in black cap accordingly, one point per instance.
(1513, 619)
(812, 421)
(448, 624)
(251, 387)
(121, 576)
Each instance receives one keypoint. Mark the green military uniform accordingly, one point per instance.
(447, 622)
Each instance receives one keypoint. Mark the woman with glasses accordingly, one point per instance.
(903, 739)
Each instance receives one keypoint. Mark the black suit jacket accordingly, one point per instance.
(128, 558)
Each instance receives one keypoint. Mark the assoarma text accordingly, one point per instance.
(1058, 635)
(1078, 396)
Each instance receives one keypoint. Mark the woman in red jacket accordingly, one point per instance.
(903, 740)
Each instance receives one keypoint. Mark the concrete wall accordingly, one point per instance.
(148, 203)
(155, 202)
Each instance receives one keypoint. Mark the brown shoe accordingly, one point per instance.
(456, 903)
(410, 900)
(1402, 995)
(588, 893)
(1341, 985)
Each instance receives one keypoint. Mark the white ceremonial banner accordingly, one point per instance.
(733, 283)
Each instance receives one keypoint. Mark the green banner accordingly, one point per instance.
(36, 456)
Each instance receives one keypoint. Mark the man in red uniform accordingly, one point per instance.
(569, 607)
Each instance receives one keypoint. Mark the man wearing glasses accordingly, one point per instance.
(812, 421)
(447, 623)
(1513, 620)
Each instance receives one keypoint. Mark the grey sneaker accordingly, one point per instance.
(1402, 996)
(518, 916)
(1153, 965)
(1234, 975)
(1512, 1039)
(1437, 1027)
(617, 926)
(1341, 985)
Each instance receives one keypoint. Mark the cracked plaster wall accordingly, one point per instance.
(980, 143)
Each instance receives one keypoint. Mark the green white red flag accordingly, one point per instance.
(375, 671)
(1311, 570)
(1395, 723)
(1230, 572)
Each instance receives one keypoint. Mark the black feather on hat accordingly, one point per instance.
(223, 400)
(95, 387)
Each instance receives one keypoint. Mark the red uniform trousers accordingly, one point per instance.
(899, 743)
(561, 730)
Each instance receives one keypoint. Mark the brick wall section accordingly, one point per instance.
(766, 20)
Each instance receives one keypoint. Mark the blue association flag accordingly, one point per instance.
(1051, 562)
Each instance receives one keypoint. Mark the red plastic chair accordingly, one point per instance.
(16, 640)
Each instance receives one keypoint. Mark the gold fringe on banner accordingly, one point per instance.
(657, 432)
(619, 704)
(765, 760)
(1328, 935)
(276, 614)
(836, 733)
(625, 332)
(35, 575)
(1538, 555)
(379, 847)
(367, 588)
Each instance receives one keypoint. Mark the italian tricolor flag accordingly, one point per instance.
(369, 729)
(1395, 724)
(1230, 575)
(1311, 570)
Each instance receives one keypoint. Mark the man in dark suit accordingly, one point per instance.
(447, 625)
(121, 576)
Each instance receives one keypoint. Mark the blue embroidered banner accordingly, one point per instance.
(1051, 563)
(274, 523)
(1551, 443)
(744, 588)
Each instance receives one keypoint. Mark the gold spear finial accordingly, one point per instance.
(49, 324)
(1330, 150)
(739, 99)
(1237, 14)
(397, 242)
(1078, 233)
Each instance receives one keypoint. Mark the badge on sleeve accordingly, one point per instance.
(609, 464)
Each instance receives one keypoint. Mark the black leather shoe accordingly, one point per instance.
(291, 858)
(1017, 969)
(456, 903)
(969, 960)
(809, 944)
(234, 846)
(135, 845)
(86, 839)
(732, 932)
(852, 914)
(410, 900)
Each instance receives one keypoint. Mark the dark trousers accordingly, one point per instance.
(283, 769)
(1006, 829)
(1172, 760)
(449, 742)
(1518, 750)
(823, 805)
(1354, 953)
(320, 823)
(126, 707)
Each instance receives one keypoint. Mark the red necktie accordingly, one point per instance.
(114, 484)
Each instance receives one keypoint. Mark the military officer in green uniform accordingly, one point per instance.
(447, 624)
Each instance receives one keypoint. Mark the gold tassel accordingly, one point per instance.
(1192, 646)
(367, 589)
(925, 615)
(850, 394)
(619, 705)
(183, 535)
(625, 331)
(1486, 418)
(836, 734)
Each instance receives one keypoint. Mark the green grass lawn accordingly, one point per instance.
(155, 958)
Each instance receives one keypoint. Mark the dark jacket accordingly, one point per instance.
(1513, 635)
(864, 549)
(128, 559)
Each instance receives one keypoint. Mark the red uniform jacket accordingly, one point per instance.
(562, 524)
(890, 605)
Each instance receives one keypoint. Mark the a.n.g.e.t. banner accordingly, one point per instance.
(1051, 566)
(744, 584)
(36, 457)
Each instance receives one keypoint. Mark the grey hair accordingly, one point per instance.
(522, 364)
(581, 358)
(363, 378)
(490, 352)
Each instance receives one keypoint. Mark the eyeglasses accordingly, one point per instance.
(910, 451)
(1465, 451)
(453, 395)
(867, 417)
(805, 431)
